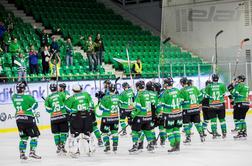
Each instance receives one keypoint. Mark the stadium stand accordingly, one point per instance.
(79, 18)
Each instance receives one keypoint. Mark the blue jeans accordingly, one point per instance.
(92, 61)
(69, 60)
(99, 57)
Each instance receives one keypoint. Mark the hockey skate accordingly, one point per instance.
(187, 140)
(134, 149)
(150, 147)
(62, 149)
(100, 143)
(244, 134)
(140, 146)
(58, 149)
(238, 136)
(202, 137)
(224, 135)
(33, 155)
(115, 147)
(22, 156)
(173, 149)
(107, 147)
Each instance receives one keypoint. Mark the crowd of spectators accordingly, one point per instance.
(28, 62)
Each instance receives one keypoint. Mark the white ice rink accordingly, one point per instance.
(217, 152)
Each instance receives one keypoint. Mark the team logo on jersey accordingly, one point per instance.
(3, 117)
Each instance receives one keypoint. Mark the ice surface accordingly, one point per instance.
(219, 152)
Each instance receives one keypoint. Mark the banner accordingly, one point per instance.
(7, 111)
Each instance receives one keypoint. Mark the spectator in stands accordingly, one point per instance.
(21, 62)
(9, 22)
(33, 61)
(69, 52)
(14, 49)
(2, 30)
(89, 49)
(54, 48)
(6, 40)
(55, 67)
(45, 60)
(44, 38)
(3, 77)
(137, 68)
(99, 49)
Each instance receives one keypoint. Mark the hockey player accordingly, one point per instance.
(62, 88)
(142, 118)
(240, 92)
(101, 94)
(126, 106)
(54, 105)
(170, 103)
(216, 92)
(205, 106)
(110, 118)
(80, 106)
(160, 119)
(154, 102)
(191, 109)
(25, 119)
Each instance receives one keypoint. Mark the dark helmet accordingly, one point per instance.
(150, 86)
(215, 78)
(183, 81)
(125, 85)
(112, 88)
(168, 81)
(190, 82)
(208, 82)
(53, 87)
(241, 78)
(140, 84)
(20, 87)
(157, 86)
(62, 85)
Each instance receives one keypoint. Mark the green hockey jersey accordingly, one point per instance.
(216, 92)
(79, 102)
(55, 104)
(190, 97)
(110, 106)
(153, 98)
(24, 105)
(170, 101)
(240, 93)
(142, 105)
(126, 99)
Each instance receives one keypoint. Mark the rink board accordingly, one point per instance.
(7, 112)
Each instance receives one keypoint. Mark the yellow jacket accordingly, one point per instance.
(55, 69)
(138, 68)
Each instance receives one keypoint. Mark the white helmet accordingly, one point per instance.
(77, 88)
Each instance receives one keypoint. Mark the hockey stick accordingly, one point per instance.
(216, 49)
(162, 54)
(120, 130)
(238, 55)
(131, 78)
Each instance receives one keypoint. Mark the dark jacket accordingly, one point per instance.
(99, 47)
